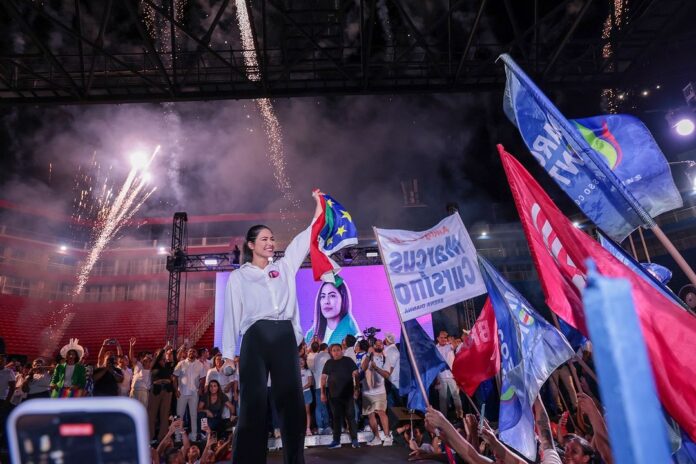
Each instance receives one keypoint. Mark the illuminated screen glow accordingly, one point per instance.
(371, 302)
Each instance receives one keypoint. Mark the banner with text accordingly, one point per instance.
(431, 269)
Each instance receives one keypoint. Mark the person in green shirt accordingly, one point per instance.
(70, 376)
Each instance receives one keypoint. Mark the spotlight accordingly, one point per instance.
(484, 235)
(63, 248)
(147, 177)
(684, 127)
(372, 254)
(576, 224)
(161, 251)
(210, 262)
(622, 96)
(645, 93)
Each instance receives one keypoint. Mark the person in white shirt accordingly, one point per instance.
(124, 387)
(307, 382)
(377, 369)
(222, 373)
(39, 380)
(391, 351)
(261, 308)
(321, 412)
(203, 355)
(188, 376)
(348, 345)
(446, 382)
(141, 381)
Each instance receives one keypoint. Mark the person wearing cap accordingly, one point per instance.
(70, 376)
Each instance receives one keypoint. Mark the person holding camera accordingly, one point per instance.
(38, 382)
(107, 376)
(377, 369)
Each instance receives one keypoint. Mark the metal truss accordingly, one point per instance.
(179, 247)
(105, 51)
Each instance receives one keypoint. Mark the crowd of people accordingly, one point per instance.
(192, 395)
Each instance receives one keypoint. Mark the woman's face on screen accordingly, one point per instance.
(330, 301)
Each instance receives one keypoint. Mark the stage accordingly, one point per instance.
(348, 455)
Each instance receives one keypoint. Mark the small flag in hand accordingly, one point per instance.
(332, 231)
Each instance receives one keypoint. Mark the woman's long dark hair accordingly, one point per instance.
(251, 236)
(159, 356)
(319, 319)
(221, 397)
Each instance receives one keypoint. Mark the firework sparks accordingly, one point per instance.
(114, 215)
(270, 120)
(108, 216)
(613, 22)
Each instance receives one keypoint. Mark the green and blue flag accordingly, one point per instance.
(610, 166)
(530, 350)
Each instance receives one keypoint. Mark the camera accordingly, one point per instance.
(370, 333)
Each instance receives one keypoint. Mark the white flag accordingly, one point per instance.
(432, 269)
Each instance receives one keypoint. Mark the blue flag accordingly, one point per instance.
(530, 350)
(429, 360)
(630, 150)
(634, 416)
(573, 335)
(686, 454)
(609, 166)
(619, 253)
(339, 230)
(332, 231)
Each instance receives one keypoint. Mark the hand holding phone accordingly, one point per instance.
(81, 429)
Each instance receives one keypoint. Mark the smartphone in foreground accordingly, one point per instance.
(82, 430)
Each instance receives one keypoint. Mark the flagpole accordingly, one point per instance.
(633, 246)
(411, 357)
(645, 247)
(681, 262)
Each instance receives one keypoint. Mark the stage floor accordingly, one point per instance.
(348, 455)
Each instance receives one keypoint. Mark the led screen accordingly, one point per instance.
(371, 304)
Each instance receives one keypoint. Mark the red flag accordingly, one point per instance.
(559, 251)
(320, 262)
(478, 359)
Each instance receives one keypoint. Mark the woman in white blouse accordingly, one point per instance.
(261, 308)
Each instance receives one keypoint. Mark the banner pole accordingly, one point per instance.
(671, 249)
(411, 357)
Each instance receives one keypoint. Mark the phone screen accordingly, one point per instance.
(77, 436)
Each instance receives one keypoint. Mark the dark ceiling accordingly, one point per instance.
(106, 51)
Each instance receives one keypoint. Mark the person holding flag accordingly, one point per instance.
(261, 308)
